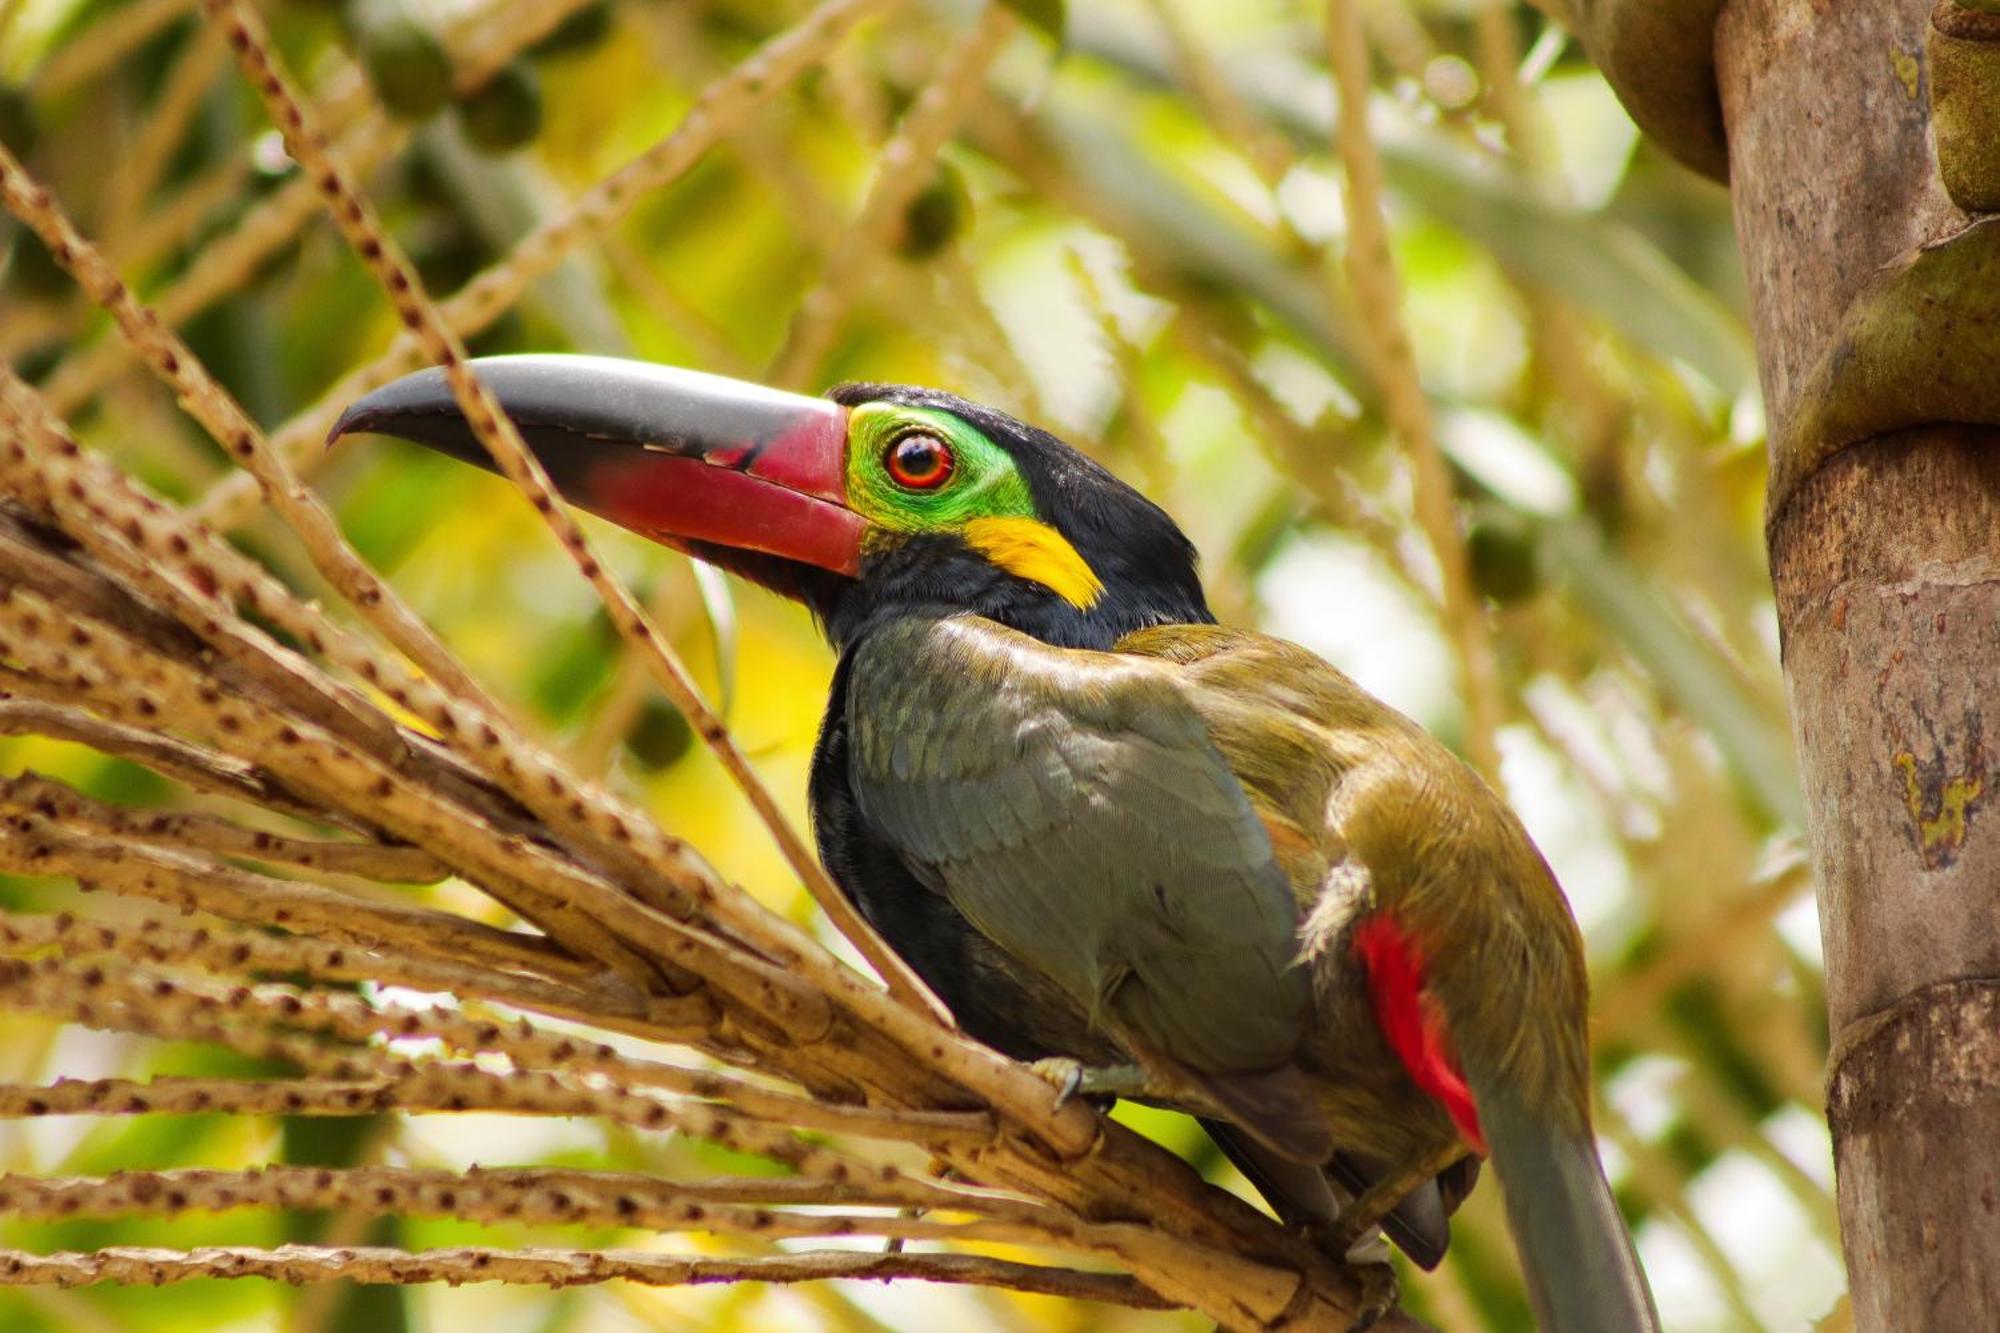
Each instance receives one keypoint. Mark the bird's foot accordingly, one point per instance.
(1376, 1293)
(1074, 1078)
(894, 1244)
(1366, 1212)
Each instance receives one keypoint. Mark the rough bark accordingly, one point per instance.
(1885, 553)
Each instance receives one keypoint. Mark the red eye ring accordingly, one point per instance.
(919, 461)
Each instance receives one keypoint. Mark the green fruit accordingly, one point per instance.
(405, 61)
(17, 132)
(425, 184)
(1048, 17)
(938, 214)
(1504, 557)
(584, 30)
(446, 253)
(506, 114)
(17, 121)
(32, 271)
(659, 736)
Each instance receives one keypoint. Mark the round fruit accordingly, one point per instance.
(17, 121)
(1504, 557)
(659, 736)
(32, 271)
(584, 30)
(406, 63)
(939, 213)
(506, 114)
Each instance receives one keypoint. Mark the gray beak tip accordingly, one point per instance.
(350, 421)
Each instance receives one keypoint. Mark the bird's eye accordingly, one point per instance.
(918, 461)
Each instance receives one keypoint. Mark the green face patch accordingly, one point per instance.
(980, 481)
(914, 470)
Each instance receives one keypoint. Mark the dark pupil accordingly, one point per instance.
(919, 460)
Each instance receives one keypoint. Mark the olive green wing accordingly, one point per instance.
(1072, 807)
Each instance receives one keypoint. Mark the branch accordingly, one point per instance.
(356, 219)
(531, 1195)
(202, 770)
(230, 950)
(1371, 273)
(210, 833)
(133, 1265)
(904, 164)
(31, 844)
(717, 113)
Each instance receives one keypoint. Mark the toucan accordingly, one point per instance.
(1109, 832)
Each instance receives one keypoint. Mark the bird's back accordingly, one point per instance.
(1368, 813)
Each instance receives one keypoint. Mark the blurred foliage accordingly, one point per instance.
(1134, 239)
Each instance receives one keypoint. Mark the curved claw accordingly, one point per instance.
(1360, 1217)
(1066, 1074)
(1072, 1077)
(1378, 1294)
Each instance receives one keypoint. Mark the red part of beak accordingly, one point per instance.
(787, 498)
(676, 455)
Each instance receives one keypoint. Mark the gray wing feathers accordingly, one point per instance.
(1073, 807)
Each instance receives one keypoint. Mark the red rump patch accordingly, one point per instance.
(1411, 1021)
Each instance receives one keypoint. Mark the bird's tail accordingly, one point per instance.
(1420, 1224)
(1583, 1274)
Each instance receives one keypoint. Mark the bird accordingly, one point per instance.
(1194, 862)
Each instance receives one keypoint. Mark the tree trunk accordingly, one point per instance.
(1885, 553)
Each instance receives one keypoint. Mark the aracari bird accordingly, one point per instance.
(1102, 827)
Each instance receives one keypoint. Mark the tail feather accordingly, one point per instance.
(1309, 1195)
(1274, 1106)
(1583, 1274)
(1420, 1223)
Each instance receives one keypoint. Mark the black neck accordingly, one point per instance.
(939, 576)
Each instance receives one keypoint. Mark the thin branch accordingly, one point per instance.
(226, 950)
(715, 114)
(94, 662)
(33, 845)
(211, 833)
(1371, 274)
(481, 1193)
(903, 166)
(502, 439)
(528, 1048)
(224, 266)
(195, 574)
(296, 1264)
(199, 769)
(140, 1000)
(530, 1195)
(106, 41)
(271, 1023)
(220, 414)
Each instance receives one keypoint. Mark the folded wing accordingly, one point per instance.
(1071, 805)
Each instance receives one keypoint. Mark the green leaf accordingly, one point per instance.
(1611, 592)
(1602, 265)
(1049, 17)
(1166, 218)
(404, 58)
(718, 603)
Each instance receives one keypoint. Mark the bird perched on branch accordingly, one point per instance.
(1199, 862)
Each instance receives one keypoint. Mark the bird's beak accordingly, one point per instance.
(676, 455)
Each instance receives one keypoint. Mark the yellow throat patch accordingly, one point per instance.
(1030, 549)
